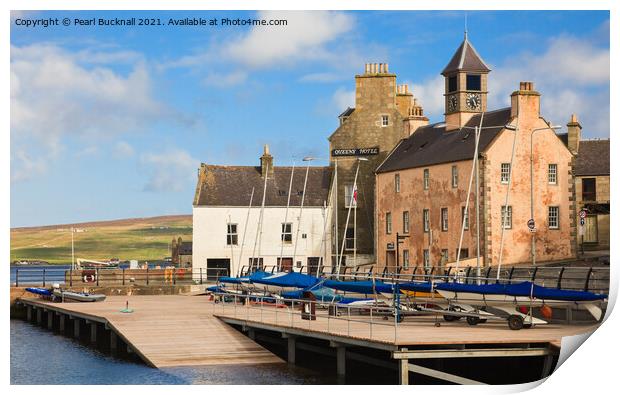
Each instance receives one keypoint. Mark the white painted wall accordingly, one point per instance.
(209, 235)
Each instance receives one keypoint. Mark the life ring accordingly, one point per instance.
(89, 276)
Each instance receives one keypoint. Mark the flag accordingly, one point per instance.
(355, 195)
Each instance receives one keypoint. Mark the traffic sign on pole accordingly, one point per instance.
(582, 214)
(531, 224)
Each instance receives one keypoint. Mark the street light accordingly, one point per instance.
(548, 127)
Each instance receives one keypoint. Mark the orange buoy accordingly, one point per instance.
(523, 309)
(546, 311)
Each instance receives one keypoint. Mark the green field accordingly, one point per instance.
(140, 238)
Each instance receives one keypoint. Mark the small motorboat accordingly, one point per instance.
(40, 291)
(70, 296)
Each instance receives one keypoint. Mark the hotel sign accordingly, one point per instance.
(355, 151)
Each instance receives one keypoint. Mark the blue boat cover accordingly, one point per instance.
(322, 294)
(40, 291)
(525, 288)
(243, 279)
(362, 287)
(215, 289)
(416, 286)
(292, 279)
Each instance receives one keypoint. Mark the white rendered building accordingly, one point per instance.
(229, 235)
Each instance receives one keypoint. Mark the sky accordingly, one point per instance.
(113, 122)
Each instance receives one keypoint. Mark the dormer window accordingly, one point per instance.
(452, 83)
(473, 82)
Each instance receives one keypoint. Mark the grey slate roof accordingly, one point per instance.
(593, 158)
(185, 248)
(346, 112)
(432, 145)
(466, 58)
(232, 186)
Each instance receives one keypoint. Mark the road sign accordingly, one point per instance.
(582, 214)
(532, 230)
(582, 221)
(531, 224)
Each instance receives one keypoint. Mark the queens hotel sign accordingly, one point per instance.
(355, 151)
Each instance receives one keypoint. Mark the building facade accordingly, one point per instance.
(422, 186)
(235, 228)
(384, 114)
(591, 172)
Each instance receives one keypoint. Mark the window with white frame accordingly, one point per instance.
(426, 219)
(405, 221)
(287, 232)
(554, 217)
(507, 217)
(397, 182)
(465, 217)
(405, 259)
(231, 234)
(553, 173)
(427, 259)
(349, 239)
(426, 178)
(505, 173)
(385, 120)
(388, 223)
(455, 177)
(348, 195)
(444, 219)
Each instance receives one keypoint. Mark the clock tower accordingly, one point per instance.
(465, 86)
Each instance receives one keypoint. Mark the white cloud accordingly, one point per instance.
(302, 38)
(24, 167)
(225, 79)
(123, 149)
(55, 93)
(170, 171)
(343, 98)
(572, 75)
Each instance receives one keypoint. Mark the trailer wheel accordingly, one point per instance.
(483, 320)
(515, 322)
(471, 320)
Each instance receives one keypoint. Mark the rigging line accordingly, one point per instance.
(505, 214)
(259, 225)
(245, 228)
(288, 203)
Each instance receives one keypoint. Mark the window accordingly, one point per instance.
(425, 220)
(388, 223)
(452, 83)
(256, 264)
(465, 217)
(349, 239)
(588, 189)
(385, 120)
(287, 232)
(427, 259)
(405, 221)
(553, 173)
(455, 177)
(474, 82)
(405, 259)
(444, 256)
(348, 195)
(397, 182)
(505, 173)
(507, 217)
(464, 253)
(426, 178)
(554, 217)
(444, 219)
(231, 234)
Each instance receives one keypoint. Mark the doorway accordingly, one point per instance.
(217, 267)
(285, 264)
(390, 260)
(313, 265)
(591, 229)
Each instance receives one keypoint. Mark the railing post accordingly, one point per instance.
(44, 277)
(147, 274)
(560, 278)
(587, 285)
(97, 275)
(123, 275)
(174, 277)
(17, 277)
(71, 277)
(200, 276)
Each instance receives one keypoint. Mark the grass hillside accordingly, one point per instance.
(138, 238)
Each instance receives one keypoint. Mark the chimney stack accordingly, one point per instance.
(266, 163)
(574, 134)
(376, 68)
(525, 100)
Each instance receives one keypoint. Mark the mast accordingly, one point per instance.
(245, 228)
(301, 209)
(355, 225)
(259, 226)
(348, 216)
(72, 251)
(288, 202)
(336, 207)
(232, 253)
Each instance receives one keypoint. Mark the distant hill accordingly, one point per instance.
(133, 238)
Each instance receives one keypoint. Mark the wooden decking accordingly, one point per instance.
(170, 330)
(414, 331)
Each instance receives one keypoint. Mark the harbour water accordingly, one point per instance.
(41, 357)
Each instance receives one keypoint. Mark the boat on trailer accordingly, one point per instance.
(70, 296)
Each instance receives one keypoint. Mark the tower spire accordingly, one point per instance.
(465, 36)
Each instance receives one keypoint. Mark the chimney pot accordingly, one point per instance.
(386, 67)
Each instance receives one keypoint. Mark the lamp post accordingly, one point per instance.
(548, 127)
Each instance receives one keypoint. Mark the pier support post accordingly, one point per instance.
(548, 362)
(50, 320)
(61, 323)
(76, 327)
(291, 349)
(39, 316)
(113, 342)
(252, 334)
(93, 332)
(341, 356)
(29, 313)
(403, 370)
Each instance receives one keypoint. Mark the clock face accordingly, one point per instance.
(473, 101)
(452, 103)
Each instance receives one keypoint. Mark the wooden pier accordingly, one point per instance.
(163, 331)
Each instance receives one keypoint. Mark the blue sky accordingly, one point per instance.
(113, 122)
